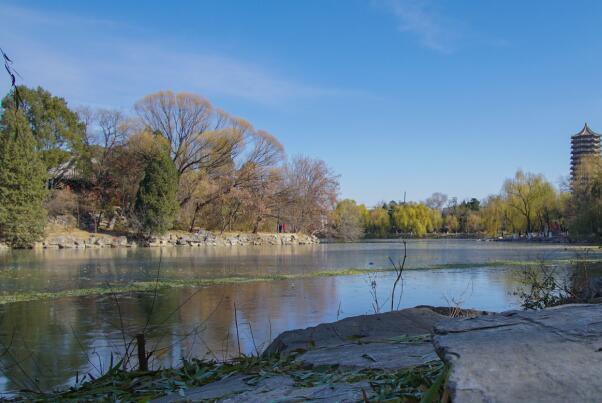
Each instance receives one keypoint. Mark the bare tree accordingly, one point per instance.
(200, 136)
(113, 127)
(313, 190)
(107, 133)
(436, 201)
(247, 170)
(267, 194)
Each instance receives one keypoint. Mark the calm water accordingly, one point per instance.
(52, 340)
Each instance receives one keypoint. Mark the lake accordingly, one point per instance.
(48, 343)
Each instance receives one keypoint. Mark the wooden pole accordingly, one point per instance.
(142, 359)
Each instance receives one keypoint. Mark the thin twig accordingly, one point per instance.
(150, 314)
(253, 339)
(236, 324)
(399, 271)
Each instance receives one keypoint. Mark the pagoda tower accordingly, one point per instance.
(586, 142)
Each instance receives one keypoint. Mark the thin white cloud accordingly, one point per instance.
(93, 61)
(417, 18)
(29, 16)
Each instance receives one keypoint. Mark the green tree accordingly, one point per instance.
(57, 130)
(22, 183)
(365, 215)
(474, 223)
(156, 204)
(451, 223)
(347, 220)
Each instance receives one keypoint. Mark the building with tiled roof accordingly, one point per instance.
(586, 142)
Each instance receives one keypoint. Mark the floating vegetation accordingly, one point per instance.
(146, 286)
(513, 263)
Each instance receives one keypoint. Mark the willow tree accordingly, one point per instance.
(379, 223)
(22, 183)
(527, 195)
(493, 215)
(415, 218)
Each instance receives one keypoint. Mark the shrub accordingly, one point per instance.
(61, 202)
(156, 203)
(545, 286)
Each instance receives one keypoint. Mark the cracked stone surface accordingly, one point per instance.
(553, 355)
(342, 392)
(372, 355)
(224, 387)
(279, 388)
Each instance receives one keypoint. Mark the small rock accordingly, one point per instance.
(219, 389)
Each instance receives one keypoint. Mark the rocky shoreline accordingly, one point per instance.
(83, 240)
(552, 355)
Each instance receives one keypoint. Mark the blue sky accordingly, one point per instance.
(396, 95)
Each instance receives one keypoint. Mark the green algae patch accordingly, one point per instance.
(147, 286)
(513, 263)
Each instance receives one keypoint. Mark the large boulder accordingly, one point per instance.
(387, 341)
(364, 328)
(553, 355)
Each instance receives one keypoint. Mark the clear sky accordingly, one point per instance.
(396, 95)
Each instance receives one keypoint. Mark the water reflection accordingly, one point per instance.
(53, 340)
(67, 269)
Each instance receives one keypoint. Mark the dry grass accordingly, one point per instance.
(56, 230)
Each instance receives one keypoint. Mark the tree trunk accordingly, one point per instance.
(256, 225)
(196, 210)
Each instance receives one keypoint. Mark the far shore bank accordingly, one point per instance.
(58, 237)
(556, 240)
(71, 238)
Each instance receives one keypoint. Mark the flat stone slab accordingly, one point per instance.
(272, 389)
(553, 355)
(219, 389)
(341, 392)
(364, 328)
(372, 355)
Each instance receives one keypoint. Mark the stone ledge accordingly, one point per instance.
(199, 239)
